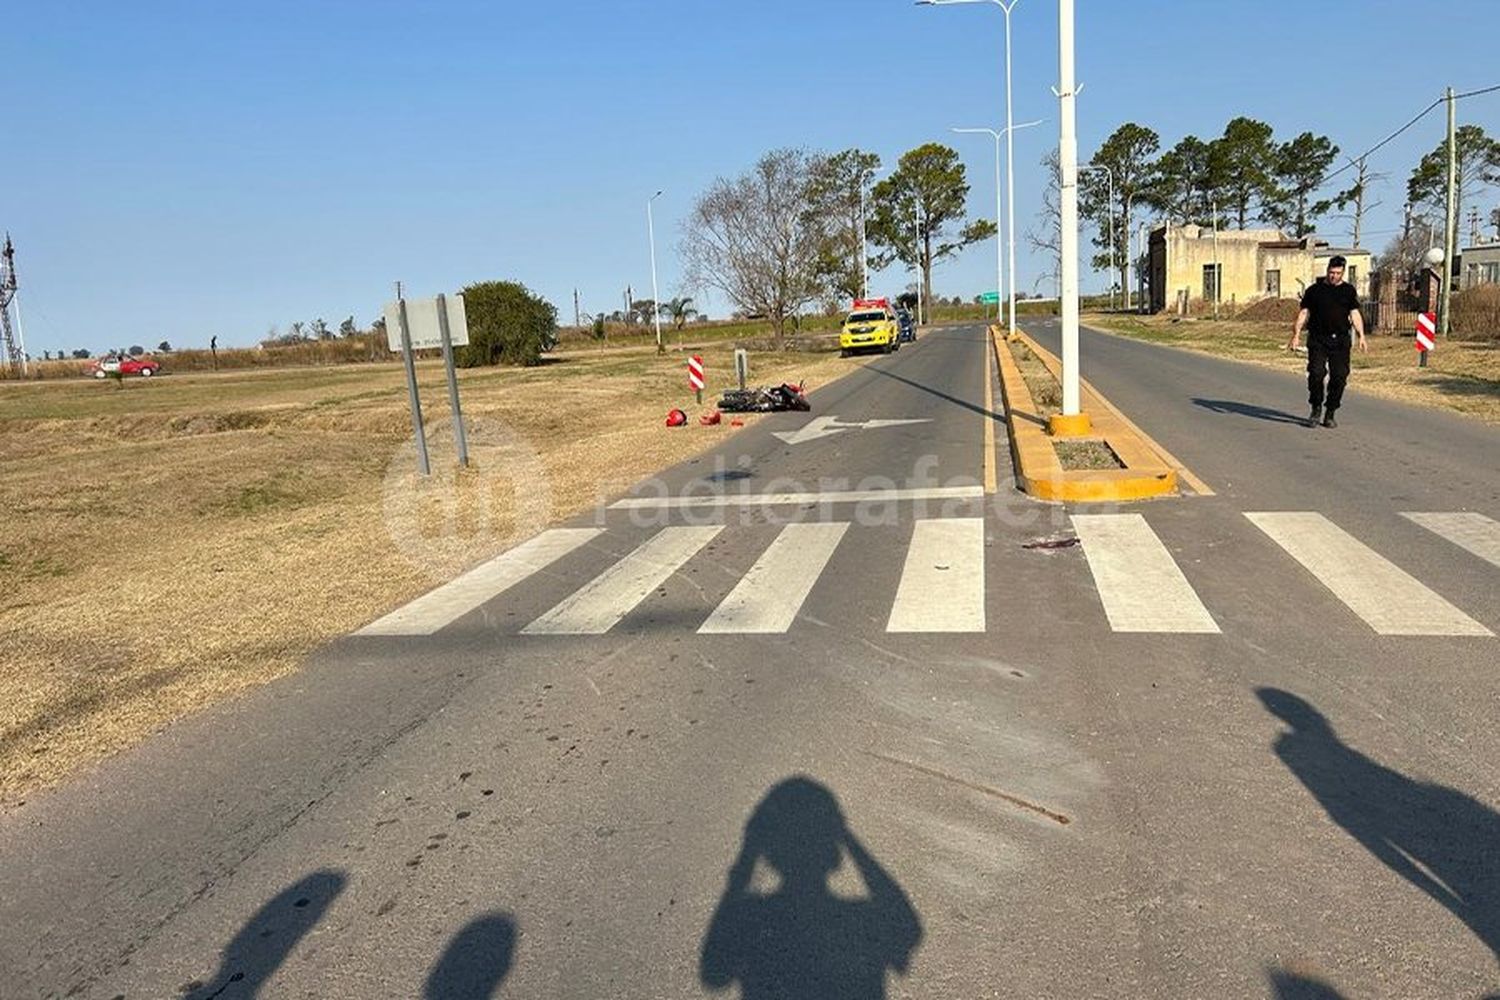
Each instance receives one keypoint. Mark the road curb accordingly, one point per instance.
(1146, 473)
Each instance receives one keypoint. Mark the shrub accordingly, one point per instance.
(508, 324)
(1476, 313)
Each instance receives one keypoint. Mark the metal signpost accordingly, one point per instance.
(741, 365)
(421, 325)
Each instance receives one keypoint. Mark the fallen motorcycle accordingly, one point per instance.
(765, 399)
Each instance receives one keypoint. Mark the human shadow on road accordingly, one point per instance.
(476, 961)
(797, 940)
(1442, 841)
(1290, 986)
(254, 954)
(1249, 410)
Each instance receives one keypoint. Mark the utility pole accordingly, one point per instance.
(1450, 234)
(577, 315)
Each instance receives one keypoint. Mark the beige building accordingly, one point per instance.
(1241, 265)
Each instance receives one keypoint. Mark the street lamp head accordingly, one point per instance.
(1434, 256)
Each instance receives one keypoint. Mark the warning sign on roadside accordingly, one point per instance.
(1426, 331)
(695, 373)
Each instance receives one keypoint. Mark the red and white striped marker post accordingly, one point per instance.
(1426, 336)
(695, 375)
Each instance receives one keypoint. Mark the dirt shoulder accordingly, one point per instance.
(1462, 376)
(173, 541)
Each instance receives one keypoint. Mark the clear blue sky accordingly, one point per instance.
(173, 170)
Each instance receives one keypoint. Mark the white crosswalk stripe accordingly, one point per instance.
(942, 583)
(1390, 600)
(768, 597)
(463, 594)
(1475, 532)
(1139, 583)
(1140, 586)
(600, 604)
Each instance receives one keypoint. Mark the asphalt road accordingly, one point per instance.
(861, 740)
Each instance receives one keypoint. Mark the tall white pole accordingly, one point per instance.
(15, 300)
(655, 296)
(1010, 171)
(864, 246)
(1067, 145)
(999, 258)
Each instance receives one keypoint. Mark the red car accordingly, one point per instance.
(144, 367)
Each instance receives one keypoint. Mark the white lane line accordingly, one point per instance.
(1390, 600)
(942, 583)
(1471, 531)
(768, 597)
(777, 499)
(600, 604)
(1139, 583)
(463, 594)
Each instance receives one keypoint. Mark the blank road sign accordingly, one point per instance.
(422, 323)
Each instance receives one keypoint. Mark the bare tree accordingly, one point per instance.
(757, 239)
(1047, 237)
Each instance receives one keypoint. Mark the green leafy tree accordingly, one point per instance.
(839, 195)
(136, 350)
(508, 324)
(164, 347)
(1183, 182)
(82, 354)
(1478, 163)
(641, 311)
(917, 208)
(1243, 163)
(758, 239)
(1130, 155)
(1301, 167)
(679, 311)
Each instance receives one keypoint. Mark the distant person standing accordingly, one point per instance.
(1330, 308)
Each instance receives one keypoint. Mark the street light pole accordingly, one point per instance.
(1072, 420)
(1000, 285)
(655, 295)
(1010, 162)
(999, 244)
(1110, 176)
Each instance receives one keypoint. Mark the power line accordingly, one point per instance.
(1419, 116)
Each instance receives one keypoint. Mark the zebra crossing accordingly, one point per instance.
(1140, 586)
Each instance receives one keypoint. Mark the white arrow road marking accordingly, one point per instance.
(824, 426)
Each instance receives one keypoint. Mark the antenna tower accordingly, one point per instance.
(12, 341)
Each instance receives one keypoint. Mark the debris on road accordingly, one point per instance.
(1051, 544)
(711, 418)
(676, 418)
(765, 399)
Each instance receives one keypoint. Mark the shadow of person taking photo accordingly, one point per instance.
(796, 938)
(1442, 841)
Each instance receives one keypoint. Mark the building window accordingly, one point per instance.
(1489, 274)
(1273, 283)
(1212, 273)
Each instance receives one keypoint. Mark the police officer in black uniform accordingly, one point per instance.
(1329, 309)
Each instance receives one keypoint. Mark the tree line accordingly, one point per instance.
(791, 231)
(1248, 176)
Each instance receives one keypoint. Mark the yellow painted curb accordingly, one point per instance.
(1038, 471)
(1063, 425)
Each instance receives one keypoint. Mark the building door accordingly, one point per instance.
(1211, 273)
(1273, 283)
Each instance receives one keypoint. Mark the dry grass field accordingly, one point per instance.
(1461, 375)
(172, 541)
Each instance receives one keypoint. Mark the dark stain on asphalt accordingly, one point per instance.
(1051, 544)
(1059, 818)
